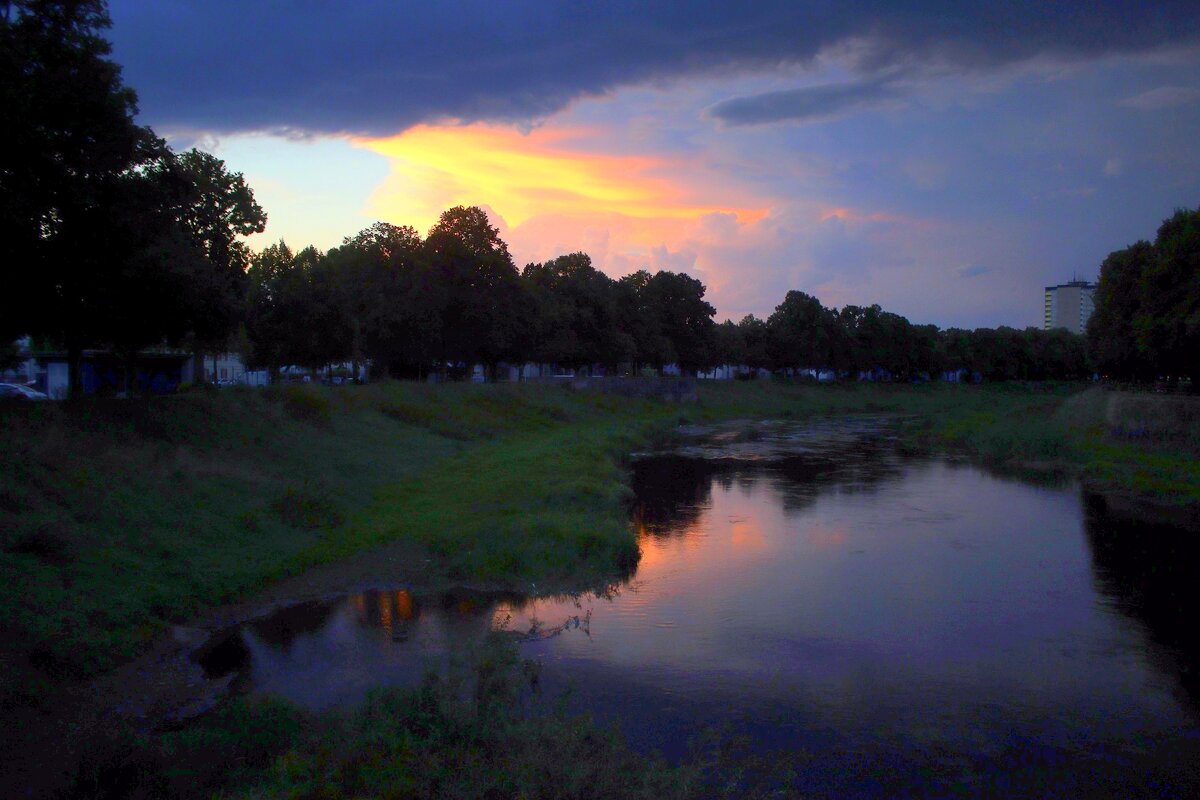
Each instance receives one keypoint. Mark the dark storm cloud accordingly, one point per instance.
(809, 104)
(378, 66)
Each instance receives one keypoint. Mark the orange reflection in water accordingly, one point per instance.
(405, 607)
(747, 535)
(385, 608)
(825, 537)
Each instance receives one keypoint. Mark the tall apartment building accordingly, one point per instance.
(1069, 306)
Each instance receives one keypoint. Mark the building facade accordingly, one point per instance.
(1069, 306)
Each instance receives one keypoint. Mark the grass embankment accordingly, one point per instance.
(1128, 445)
(1141, 445)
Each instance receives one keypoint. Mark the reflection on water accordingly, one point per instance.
(1150, 573)
(889, 627)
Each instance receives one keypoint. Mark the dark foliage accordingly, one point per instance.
(1147, 320)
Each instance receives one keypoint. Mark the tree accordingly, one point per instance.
(269, 300)
(215, 209)
(294, 314)
(1112, 344)
(957, 344)
(385, 287)
(802, 332)
(68, 141)
(1167, 321)
(575, 321)
(109, 239)
(475, 288)
(640, 321)
(683, 317)
(928, 350)
(729, 345)
(1147, 318)
(757, 338)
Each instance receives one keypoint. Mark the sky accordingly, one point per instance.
(945, 160)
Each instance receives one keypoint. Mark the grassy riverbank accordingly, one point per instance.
(122, 518)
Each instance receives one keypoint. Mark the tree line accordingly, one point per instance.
(411, 306)
(1146, 325)
(109, 239)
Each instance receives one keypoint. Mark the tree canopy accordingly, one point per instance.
(1147, 319)
(107, 237)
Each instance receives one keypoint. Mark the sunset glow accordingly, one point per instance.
(521, 176)
(859, 157)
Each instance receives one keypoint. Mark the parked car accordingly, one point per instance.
(15, 391)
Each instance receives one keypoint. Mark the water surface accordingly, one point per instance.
(887, 626)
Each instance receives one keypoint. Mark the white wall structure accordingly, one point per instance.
(1069, 306)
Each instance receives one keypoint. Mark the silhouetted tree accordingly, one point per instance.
(1147, 318)
(958, 345)
(109, 238)
(475, 287)
(802, 332)
(1167, 322)
(273, 303)
(1112, 343)
(217, 208)
(729, 345)
(386, 289)
(640, 320)
(756, 338)
(575, 314)
(67, 142)
(683, 318)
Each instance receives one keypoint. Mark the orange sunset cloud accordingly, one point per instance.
(544, 173)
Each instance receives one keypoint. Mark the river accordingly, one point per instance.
(881, 625)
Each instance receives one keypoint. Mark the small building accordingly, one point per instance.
(104, 373)
(229, 369)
